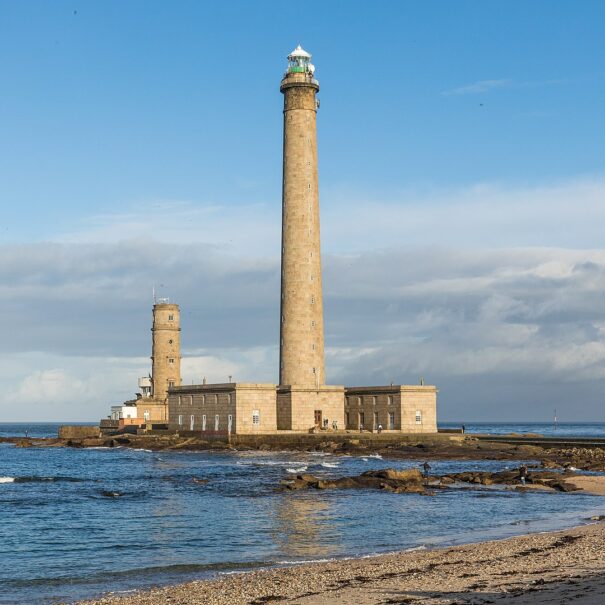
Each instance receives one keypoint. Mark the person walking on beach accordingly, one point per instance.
(523, 473)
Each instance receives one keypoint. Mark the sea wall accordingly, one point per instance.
(75, 431)
(287, 439)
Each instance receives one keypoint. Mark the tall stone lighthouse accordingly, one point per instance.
(303, 397)
(166, 349)
(302, 325)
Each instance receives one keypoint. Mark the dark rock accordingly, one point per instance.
(109, 494)
(387, 479)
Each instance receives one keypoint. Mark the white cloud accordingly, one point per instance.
(565, 214)
(482, 86)
(479, 87)
(437, 284)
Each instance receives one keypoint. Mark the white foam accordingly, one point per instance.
(7, 479)
(330, 464)
(307, 561)
(302, 469)
(572, 468)
(375, 456)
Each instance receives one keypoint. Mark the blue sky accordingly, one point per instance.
(462, 190)
(110, 104)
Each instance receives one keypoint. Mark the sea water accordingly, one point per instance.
(80, 522)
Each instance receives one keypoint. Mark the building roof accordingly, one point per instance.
(299, 51)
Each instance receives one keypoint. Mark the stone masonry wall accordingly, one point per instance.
(298, 405)
(302, 326)
(166, 349)
(196, 408)
(394, 407)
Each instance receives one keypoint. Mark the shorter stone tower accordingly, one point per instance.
(166, 349)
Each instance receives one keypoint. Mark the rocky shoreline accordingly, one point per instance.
(413, 481)
(422, 448)
(559, 567)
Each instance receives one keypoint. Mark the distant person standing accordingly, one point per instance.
(426, 467)
(463, 429)
(379, 429)
(523, 473)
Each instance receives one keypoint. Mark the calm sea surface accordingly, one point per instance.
(61, 539)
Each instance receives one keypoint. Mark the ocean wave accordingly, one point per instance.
(375, 456)
(35, 479)
(302, 469)
(307, 561)
(152, 572)
(330, 464)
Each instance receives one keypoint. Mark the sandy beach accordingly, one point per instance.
(559, 567)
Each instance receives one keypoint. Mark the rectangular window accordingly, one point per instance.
(418, 417)
(374, 400)
(180, 420)
(361, 419)
(375, 420)
(171, 360)
(171, 318)
(216, 422)
(216, 399)
(229, 398)
(392, 421)
(180, 400)
(390, 400)
(191, 422)
(191, 399)
(347, 419)
(203, 399)
(204, 422)
(170, 384)
(256, 417)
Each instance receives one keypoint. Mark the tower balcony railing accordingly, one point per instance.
(299, 77)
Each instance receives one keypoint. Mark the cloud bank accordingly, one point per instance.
(444, 286)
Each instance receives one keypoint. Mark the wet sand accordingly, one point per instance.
(594, 484)
(560, 567)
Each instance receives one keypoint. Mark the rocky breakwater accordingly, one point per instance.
(584, 458)
(548, 479)
(412, 481)
(392, 480)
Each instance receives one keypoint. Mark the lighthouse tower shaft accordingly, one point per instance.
(166, 349)
(302, 326)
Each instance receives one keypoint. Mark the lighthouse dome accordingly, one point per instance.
(299, 53)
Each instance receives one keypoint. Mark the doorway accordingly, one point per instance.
(318, 417)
